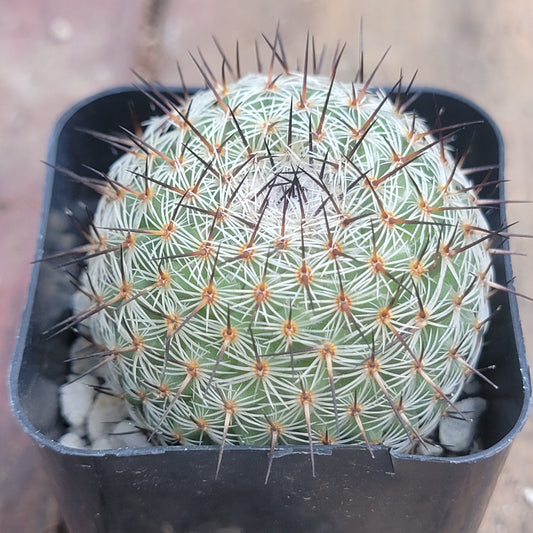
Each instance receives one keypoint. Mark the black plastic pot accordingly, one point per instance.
(172, 489)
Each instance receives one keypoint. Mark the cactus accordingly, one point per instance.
(287, 259)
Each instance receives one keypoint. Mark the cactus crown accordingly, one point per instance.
(287, 259)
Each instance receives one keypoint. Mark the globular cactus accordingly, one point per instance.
(287, 259)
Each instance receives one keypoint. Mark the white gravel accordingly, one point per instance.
(76, 399)
(457, 429)
(106, 412)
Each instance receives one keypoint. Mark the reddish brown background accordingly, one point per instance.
(54, 52)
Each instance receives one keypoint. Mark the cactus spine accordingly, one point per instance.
(288, 259)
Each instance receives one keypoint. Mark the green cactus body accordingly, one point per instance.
(288, 261)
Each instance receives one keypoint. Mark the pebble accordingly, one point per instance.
(434, 450)
(456, 432)
(80, 302)
(103, 443)
(76, 398)
(126, 435)
(472, 386)
(105, 413)
(80, 363)
(72, 440)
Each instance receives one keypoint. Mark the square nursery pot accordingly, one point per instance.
(172, 489)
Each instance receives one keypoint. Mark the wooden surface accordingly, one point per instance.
(55, 52)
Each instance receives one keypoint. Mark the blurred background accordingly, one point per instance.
(56, 52)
